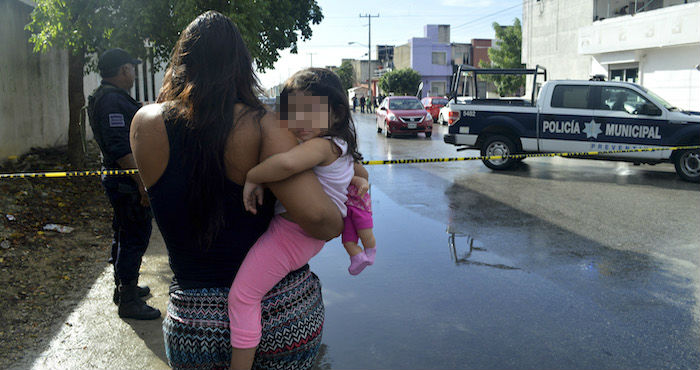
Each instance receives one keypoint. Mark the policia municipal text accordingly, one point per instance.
(110, 109)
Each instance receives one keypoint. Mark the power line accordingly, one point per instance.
(485, 16)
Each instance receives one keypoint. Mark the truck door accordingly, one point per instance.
(627, 120)
(561, 124)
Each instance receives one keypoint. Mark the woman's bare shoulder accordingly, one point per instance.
(276, 139)
(149, 117)
(149, 142)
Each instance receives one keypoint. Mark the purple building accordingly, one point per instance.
(430, 56)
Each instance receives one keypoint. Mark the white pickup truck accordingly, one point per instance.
(575, 116)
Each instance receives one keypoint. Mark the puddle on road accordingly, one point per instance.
(469, 293)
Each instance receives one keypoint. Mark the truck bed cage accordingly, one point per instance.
(537, 71)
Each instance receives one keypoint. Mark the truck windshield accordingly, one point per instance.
(659, 100)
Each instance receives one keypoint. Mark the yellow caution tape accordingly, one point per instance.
(67, 174)
(528, 155)
(391, 161)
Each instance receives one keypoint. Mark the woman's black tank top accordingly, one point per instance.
(199, 267)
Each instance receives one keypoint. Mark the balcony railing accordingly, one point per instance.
(604, 9)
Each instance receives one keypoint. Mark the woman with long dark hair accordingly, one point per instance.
(193, 150)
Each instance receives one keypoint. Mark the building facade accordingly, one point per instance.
(430, 56)
(654, 43)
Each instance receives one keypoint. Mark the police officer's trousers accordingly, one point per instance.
(132, 228)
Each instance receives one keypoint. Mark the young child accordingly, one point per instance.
(318, 113)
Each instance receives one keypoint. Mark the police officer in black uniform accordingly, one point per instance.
(111, 109)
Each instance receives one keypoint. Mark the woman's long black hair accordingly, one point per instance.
(210, 71)
(324, 82)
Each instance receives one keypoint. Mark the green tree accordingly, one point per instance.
(346, 73)
(506, 54)
(88, 27)
(400, 82)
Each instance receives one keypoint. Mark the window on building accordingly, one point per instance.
(570, 96)
(437, 88)
(624, 74)
(439, 57)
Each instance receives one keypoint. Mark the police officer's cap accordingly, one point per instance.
(115, 58)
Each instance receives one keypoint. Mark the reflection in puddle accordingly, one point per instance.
(462, 258)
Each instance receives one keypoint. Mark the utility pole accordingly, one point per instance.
(369, 55)
(312, 59)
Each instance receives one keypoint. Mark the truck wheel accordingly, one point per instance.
(687, 164)
(496, 146)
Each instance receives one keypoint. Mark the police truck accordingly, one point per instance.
(572, 116)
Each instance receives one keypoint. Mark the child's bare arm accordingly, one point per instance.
(361, 179)
(298, 159)
(361, 184)
(360, 170)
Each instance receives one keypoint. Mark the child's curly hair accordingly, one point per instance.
(323, 82)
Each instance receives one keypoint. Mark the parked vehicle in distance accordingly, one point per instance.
(433, 104)
(403, 115)
(577, 117)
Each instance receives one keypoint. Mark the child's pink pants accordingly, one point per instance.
(283, 248)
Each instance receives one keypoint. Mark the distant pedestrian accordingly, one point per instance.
(111, 109)
(354, 103)
(362, 104)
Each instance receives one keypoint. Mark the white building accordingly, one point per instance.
(655, 43)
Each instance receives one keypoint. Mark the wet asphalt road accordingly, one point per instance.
(573, 264)
(559, 264)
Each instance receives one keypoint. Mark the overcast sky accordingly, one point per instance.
(396, 24)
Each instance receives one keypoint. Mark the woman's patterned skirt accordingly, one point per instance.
(196, 328)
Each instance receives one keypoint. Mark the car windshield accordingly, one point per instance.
(440, 101)
(405, 104)
(659, 100)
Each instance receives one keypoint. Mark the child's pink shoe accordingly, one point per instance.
(370, 252)
(358, 263)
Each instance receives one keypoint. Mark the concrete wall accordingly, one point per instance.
(33, 87)
(670, 74)
(664, 44)
(671, 26)
(550, 34)
(402, 56)
(360, 68)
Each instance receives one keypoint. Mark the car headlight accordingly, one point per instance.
(428, 117)
(391, 117)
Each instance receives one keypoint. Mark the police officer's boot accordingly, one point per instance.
(131, 306)
(142, 291)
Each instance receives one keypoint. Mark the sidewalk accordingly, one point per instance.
(93, 335)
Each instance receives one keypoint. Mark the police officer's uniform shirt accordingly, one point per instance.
(114, 112)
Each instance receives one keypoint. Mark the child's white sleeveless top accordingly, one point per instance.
(334, 178)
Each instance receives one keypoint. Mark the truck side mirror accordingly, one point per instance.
(649, 109)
